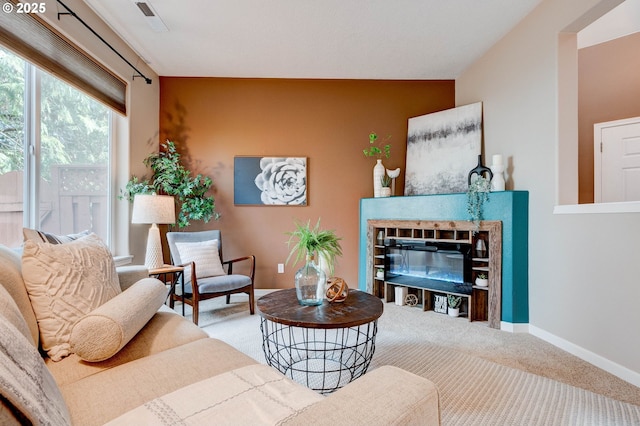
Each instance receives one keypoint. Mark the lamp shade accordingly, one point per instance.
(152, 208)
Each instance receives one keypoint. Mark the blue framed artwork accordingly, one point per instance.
(270, 181)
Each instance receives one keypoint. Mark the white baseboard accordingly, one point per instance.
(514, 327)
(607, 365)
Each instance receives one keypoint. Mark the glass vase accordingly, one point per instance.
(310, 283)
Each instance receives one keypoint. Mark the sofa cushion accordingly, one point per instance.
(165, 330)
(28, 392)
(252, 395)
(205, 255)
(11, 280)
(108, 394)
(46, 237)
(104, 331)
(66, 282)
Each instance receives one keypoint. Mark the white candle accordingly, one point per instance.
(497, 160)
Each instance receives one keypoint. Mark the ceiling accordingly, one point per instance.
(334, 39)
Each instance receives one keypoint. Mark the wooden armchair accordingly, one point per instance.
(205, 274)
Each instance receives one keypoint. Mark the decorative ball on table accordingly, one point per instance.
(337, 290)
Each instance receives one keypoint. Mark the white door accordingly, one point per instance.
(617, 161)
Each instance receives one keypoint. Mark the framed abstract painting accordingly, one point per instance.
(270, 181)
(442, 148)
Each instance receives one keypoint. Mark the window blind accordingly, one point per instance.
(36, 41)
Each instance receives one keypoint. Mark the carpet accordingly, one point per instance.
(473, 390)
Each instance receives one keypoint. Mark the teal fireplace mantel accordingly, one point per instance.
(509, 207)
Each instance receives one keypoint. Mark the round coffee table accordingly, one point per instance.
(322, 347)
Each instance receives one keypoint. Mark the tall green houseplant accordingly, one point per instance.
(170, 177)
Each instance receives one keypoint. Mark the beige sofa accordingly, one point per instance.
(171, 372)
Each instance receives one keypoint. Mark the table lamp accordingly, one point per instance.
(153, 209)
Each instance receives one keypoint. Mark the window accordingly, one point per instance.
(54, 156)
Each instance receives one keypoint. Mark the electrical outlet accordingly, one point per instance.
(281, 268)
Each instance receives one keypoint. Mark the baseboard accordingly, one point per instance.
(607, 365)
(514, 327)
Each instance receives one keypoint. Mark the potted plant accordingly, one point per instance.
(170, 177)
(380, 273)
(477, 195)
(385, 191)
(481, 280)
(454, 305)
(378, 149)
(309, 243)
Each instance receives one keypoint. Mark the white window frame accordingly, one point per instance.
(32, 154)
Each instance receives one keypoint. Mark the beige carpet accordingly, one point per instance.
(485, 376)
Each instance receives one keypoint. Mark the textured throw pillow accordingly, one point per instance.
(45, 237)
(205, 255)
(102, 333)
(66, 282)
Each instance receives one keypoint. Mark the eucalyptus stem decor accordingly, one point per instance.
(477, 195)
(170, 177)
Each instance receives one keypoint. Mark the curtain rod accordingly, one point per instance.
(72, 13)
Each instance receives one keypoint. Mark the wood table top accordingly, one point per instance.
(282, 306)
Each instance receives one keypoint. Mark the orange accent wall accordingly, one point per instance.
(608, 89)
(212, 120)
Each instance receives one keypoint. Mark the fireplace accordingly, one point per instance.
(429, 264)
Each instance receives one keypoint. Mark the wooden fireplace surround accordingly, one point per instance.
(484, 302)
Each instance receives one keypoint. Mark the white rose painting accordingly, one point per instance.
(271, 181)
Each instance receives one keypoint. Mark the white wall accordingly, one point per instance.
(137, 133)
(584, 282)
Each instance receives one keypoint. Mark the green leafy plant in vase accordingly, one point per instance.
(309, 243)
(171, 177)
(481, 280)
(385, 190)
(454, 303)
(379, 149)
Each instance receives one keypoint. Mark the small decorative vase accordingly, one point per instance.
(378, 173)
(385, 191)
(480, 170)
(310, 283)
(497, 182)
(453, 312)
(481, 248)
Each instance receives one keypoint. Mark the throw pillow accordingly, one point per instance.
(205, 255)
(101, 334)
(28, 392)
(66, 282)
(46, 237)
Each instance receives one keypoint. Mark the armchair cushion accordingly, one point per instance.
(102, 333)
(205, 254)
(220, 283)
(66, 282)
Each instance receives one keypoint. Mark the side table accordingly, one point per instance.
(177, 274)
(322, 347)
